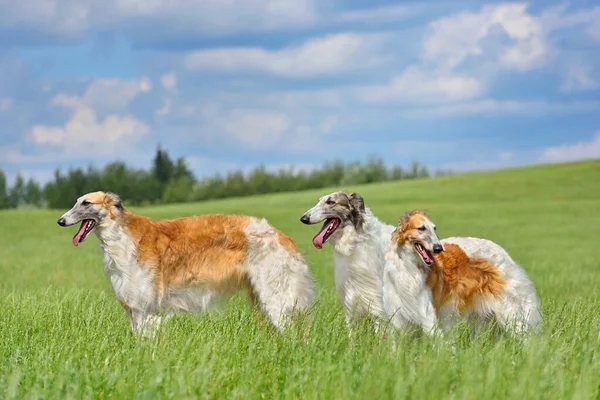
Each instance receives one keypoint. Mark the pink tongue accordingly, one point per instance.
(320, 238)
(425, 254)
(77, 238)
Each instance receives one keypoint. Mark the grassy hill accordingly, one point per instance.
(62, 333)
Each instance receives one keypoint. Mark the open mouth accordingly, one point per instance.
(330, 225)
(84, 230)
(425, 254)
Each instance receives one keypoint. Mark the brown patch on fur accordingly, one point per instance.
(195, 250)
(347, 207)
(110, 201)
(408, 222)
(288, 243)
(457, 278)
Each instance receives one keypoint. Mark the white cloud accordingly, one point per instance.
(156, 19)
(491, 107)
(575, 151)
(106, 95)
(59, 17)
(417, 85)
(557, 18)
(454, 39)
(256, 129)
(169, 81)
(506, 155)
(84, 135)
(579, 77)
(263, 128)
(377, 15)
(5, 103)
(327, 55)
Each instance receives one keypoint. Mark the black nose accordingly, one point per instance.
(437, 248)
(62, 222)
(305, 219)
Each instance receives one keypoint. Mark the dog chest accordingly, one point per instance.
(133, 285)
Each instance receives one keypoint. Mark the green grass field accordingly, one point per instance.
(63, 335)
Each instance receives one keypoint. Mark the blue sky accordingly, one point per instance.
(229, 84)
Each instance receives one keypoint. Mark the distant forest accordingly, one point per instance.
(171, 181)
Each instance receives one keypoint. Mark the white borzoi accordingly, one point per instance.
(359, 241)
(427, 280)
(188, 264)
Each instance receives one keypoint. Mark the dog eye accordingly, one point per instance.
(85, 203)
(435, 228)
(421, 228)
(330, 202)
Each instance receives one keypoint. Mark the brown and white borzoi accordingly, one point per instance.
(188, 264)
(427, 280)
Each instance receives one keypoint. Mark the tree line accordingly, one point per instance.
(172, 181)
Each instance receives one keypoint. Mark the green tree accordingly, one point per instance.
(33, 193)
(397, 173)
(177, 191)
(16, 194)
(4, 202)
(181, 170)
(162, 166)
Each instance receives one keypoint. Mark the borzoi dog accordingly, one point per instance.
(427, 280)
(189, 264)
(359, 241)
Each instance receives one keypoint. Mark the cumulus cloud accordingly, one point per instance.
(85, 136)
(261, 129)
(106, 94)
(574, 151)
(579, 77)
(418, 85)
(492, 107)
(155, 20)
(452, 40)
(377, 15)
(326, 55)
(256, 129)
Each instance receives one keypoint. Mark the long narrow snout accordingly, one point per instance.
(68, 219)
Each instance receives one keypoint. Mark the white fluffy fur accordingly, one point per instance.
(359, 261)
(282, 281)
(408, 300)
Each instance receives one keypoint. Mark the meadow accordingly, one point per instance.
(63, 334)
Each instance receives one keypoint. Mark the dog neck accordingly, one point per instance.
(372, 234)
(411, 261)
(115, 238)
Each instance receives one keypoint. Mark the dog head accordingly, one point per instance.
(417, 231)
(91, 209)
(339, 210)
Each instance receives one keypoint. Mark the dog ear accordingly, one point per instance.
(356, 202)
(403, 222)
(115, 200)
